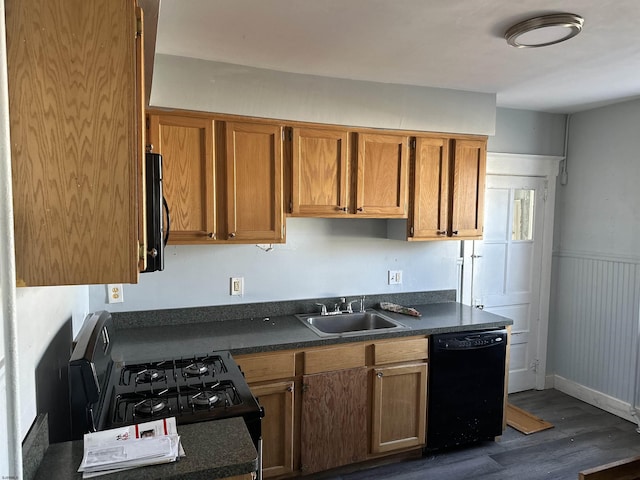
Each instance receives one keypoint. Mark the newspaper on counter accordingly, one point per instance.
(123, 448)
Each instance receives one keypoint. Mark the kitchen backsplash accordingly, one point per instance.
(181, 316)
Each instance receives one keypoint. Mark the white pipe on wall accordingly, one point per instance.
(8, 271)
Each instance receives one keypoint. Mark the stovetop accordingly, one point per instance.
(106, 394)
(193, 389)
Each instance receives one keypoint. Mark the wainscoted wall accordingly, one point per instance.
(595, 309)
(596, 328)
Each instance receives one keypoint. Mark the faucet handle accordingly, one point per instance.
(362, 304)
(324, 308)
(349, 307)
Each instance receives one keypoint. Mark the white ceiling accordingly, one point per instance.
(455, 44)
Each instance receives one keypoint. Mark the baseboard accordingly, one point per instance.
(593, 397)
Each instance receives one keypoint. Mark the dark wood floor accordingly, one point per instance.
(583, 437)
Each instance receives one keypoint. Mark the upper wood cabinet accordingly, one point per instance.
(319, 183)
(76, 140)
(337, 173)
(222, 179)
(186, 144)
(429, 215)
(382, 175)
(447, 189)
(254, 182)
(469, 164)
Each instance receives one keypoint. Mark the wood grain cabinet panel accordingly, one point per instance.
(261, 368)
(187, 148)
(399, 407)
(400, 351)
(222, 179)
(469, 171)
(277, 427)
(382, 175)
(334, 358)
(446, 189)
(429, 216)
(75, 140)
(334, 419)
(254, 182)
(319, 172)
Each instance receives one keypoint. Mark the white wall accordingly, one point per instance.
(225, 88)
(594, 318)
(41, 312)
(534, 133)
(322, 257)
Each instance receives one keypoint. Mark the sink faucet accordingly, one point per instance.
(337, 307)
(324, 308)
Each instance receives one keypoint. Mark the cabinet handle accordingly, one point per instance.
(342, 209)
(455, 232)
(379, 374)
(441, 232)
(232, 235)
(149, 147)
(289, 388)
(361, 209)
(211, 235)
(305, 387)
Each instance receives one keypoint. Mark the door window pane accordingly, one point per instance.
(523, 203)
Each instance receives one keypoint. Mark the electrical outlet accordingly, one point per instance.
(114, 293)
(237, 286)
(395, 277)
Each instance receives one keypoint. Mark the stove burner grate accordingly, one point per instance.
(149, 375)
(150, 406)
(195, 369)
(205, 398)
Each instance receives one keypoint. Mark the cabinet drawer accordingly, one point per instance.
(338, 358)
(259, 368)
(400, 351)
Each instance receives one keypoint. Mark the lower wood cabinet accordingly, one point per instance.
(277, 427)
(334, 419)
(337, 405)
(399, 407)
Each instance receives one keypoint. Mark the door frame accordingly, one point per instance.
(521, 165)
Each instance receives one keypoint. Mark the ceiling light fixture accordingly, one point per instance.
(544, 30)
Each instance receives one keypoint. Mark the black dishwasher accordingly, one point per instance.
(466, 387)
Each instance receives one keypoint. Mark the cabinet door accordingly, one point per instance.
(382, 177)
(399, 407)
(277, 427)
(186, 145)
(430, 182)
(74, 141)
(469, 171)
(254, 182)
(334, 419)
(319, 172)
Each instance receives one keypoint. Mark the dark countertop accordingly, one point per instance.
(263, 334)
(213, 450)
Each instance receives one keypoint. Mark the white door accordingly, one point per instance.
(507, 267)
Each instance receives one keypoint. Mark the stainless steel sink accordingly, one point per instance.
(344, 324)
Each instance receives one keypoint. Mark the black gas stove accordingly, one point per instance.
(107, 394)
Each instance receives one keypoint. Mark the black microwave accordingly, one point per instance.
(158, 219)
